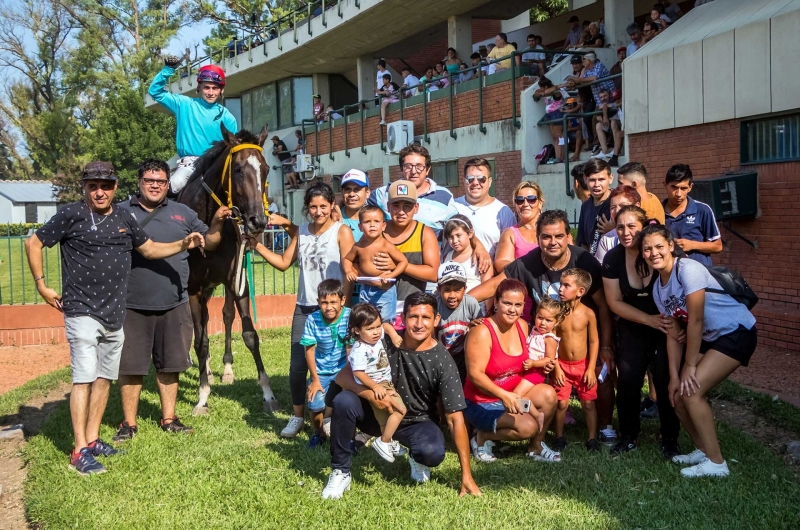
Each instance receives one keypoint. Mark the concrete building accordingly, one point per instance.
(25, 201)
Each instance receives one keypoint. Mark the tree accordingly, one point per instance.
(547, 9)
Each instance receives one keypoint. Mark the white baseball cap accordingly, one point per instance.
(355, 176)
(452, 271)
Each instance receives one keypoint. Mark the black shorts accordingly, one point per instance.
(738, 345)
(161, 336)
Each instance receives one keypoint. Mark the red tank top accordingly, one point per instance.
(503, 369)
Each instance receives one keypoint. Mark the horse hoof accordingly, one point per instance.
(271, 406)
(200, 411)
(227, 379)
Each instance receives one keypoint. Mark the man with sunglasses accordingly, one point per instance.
(158, 322)
(489, 216)
(198, 119)
(96, 239)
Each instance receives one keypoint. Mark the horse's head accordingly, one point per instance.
(248, 173)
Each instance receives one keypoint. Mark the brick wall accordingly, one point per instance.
(710, 150)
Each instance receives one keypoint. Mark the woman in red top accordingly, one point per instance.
(495, 351)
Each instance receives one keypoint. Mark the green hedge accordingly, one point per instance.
(17, 229)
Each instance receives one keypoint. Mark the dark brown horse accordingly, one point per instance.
(242, 187)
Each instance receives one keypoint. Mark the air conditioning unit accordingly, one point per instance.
(399, 134)
(730, 196)
(305, 163)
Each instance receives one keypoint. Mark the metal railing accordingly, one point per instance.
(17, 286)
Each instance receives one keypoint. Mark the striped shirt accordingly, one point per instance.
(329, 340)
(436, 205)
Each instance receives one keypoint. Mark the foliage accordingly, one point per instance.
(547, 9)
(17, 229)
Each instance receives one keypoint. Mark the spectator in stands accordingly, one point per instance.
(634, 174)
(574, 128)
(429, 78)
(464, 75)
(301, 142)
(379, 77)
(331, 114)
(476, 59)
(502, 49)
(596, 39)
(318, 108)
(584, 93)
(651, 29)
(574, 34)
(444, 79)
(439, 69)
(452, 62)
(533, 60)
(389, 93)
(637, 39)
(608, 122)
(672, 10)
(553, 100)
(592, 71)
(658, 16)
(409, 80)
(280, 150)
(622, 54)
(489, 217)
(691, 222)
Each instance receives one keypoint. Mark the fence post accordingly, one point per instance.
(481, 126)
(346, 148)
(514, 119)
(10, 263)
(308, 18)
(361, 111)
(425, 95)
(330, 137)
(452, 95)
(567, 182)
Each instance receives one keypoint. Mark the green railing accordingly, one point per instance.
(17, 286)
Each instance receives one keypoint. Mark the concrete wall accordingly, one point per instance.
(9, 213)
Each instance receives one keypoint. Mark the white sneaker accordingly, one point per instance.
(695, 457)
(338, 483)
(293, 428)
(382, 122)
(383, 449)
(608, 436)
(547, 455)
(419, 473)
(326, 427)
(603, 156)
(707, 468)
(482, 452)
(397, 449)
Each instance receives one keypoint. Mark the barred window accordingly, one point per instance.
(774, 139)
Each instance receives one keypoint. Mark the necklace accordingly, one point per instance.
(473, 210)
(554, 266)
(322, 230)
(95, 225)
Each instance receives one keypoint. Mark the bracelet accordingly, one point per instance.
(606, 348)
(38, 278)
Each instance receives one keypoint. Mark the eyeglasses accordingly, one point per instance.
(97, 173)
(520, 199)
(471, 178)
(416, 168)
(155, 182)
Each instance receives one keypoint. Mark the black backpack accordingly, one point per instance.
(732, 283)
(547, 152)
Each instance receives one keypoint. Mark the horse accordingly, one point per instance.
(232, 171)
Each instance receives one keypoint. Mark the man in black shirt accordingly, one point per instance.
(158, 322)
(595, 219)
(96, 240)
(423, 373)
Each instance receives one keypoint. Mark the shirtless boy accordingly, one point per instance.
(577, 356)
(380, 292)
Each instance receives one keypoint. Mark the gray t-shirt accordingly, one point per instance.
(722, 315)
(454, 323)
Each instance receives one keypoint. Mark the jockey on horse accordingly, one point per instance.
(198, 119)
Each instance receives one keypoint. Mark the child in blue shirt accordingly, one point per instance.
(324, 340)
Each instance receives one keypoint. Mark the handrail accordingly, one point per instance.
(425, 97)
(452, 132)
(330, 137)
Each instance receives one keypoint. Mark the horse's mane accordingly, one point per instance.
(207, 159)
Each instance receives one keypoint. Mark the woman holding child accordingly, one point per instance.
(495, 387)
(628, 283)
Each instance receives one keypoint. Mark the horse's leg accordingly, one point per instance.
(228, 314)
(250, 338)
(200, 317)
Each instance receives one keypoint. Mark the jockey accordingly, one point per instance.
(198, 119)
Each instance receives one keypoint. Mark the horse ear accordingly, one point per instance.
(228, 136)
(262, 136)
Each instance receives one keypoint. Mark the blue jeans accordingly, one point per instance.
(483, 416)
(384, 299)
(317, 404)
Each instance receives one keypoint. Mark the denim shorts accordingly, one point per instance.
(318, 403)
(555, 115)
(484, 416)
(94, 350)
(384, 299)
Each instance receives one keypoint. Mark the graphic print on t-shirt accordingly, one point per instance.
(452, 333)
(311, 256)
(549, 289)
(676, 307)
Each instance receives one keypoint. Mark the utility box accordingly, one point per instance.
(399, 134)
(730, 196)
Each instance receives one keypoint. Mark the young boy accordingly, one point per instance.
(324, 339)
(595, 219)
(458, 312)
(577, 356)
(380, 291)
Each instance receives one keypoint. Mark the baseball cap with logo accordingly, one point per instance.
(357, 177)
(451, 271)
(402, 190)
(98, 170)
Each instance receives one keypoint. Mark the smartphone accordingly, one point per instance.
(524, 404)
(59, 305)
(603, 373)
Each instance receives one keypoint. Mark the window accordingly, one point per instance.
(285, 118)
(279, 105)
(303, 103)
(446, 173)
(775, 139)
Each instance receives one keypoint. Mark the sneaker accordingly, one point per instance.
(397, 449)
(650, 412)
(593, 446)
(338, 483)
(595, 149)
(695, 457)
(482, 452)
(384, 450)
(382, 122)
(560, 444)
(624, 445)
(293, 428)
(419, 473)
(125, 432)
(316, 441)
(85, 464)
(547, 455)
(326, 427)
(707, 468)
(100, 448)
(601, 155)
(175, 426)
(608, 436)
(670, 449)
(613, 161)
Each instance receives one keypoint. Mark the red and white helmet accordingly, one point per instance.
(211, 74)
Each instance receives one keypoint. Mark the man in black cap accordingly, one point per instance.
(574, 34)
(97, 239)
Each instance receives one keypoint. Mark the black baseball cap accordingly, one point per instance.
(576, 59)
(572, 19)
(99, 170)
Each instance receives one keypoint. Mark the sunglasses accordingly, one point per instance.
(520, 199)
(480, 178)
(97, 173)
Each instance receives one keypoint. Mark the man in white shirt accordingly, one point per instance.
(379, 78)
(409, 80)
(489, 216)
(535, 61)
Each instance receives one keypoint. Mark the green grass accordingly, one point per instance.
(236, 472)
(14, 398)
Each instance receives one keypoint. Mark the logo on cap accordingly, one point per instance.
(402, 189)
